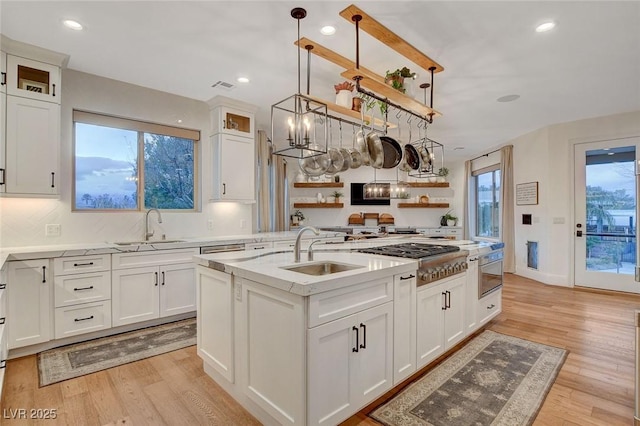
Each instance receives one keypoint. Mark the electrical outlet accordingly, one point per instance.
(210, 224)
(243, 223)
(52, 230)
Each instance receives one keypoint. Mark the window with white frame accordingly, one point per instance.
(487, 202)
(123, 165)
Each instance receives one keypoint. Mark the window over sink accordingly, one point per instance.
(123, 165)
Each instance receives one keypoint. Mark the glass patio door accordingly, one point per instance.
(605, 214)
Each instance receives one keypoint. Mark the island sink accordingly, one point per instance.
(321, 268)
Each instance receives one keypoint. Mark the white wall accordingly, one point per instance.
(22, 220)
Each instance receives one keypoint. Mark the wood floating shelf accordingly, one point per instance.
(423, 205)
(388, 37)
(318, 184)
(371, 82)
(428, 184)
(349, 112)
(318, 205)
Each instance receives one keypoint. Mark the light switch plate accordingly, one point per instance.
(52, 230)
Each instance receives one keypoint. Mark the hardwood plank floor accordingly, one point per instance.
(595, 385)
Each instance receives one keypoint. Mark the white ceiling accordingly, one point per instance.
(588, 66)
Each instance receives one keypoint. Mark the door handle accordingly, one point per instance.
(4, 79)
(224, 189)
(44, 274)
(364, 336)
(355, 349)
(448, 299)
(53, 179)
(3, 172)
(444, 305)
(156, 278)
(408, 278)
(54, 89)
(162, 277)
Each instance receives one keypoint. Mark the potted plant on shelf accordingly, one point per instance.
(442, 174)
(343, 94)
(297, 218)
(336, 196)
(448, 219)
(396, 78)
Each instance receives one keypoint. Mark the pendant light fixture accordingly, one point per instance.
(299, 123)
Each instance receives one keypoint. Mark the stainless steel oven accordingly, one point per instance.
(489, 272)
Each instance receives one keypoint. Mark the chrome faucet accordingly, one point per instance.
(310, 251)
(148, 234)
(296, 247)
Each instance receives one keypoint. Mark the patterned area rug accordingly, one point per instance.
(493, 380)
(67, 362)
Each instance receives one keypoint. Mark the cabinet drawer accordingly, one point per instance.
(334, 304)
(455, 232)
(258, 246)
(489, 307)
(437, 231)
(155, 258)
(79, 264)
(82, 288)
(4, 347)
(79, 319)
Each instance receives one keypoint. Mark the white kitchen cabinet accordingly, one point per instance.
(3, 142)
(233, 164)
(36, 80)
(271, 344)
(29, 289)
(489, 307)
(440, 318)
(32, 146)
(258, 246)
(471, 308)
(82, 318)
(147, 286)
(3, 72)
(215, 320)
(404, 326)
(4, 331)
(232, 121)
(350, 363)
(306, 242)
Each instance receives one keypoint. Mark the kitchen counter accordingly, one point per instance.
(83, 249)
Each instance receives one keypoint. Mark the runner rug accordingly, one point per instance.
(67, 362)
(494, 380)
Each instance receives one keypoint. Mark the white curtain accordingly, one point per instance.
(507, 222)
(264, 165)
(273, 195)
(467, 205)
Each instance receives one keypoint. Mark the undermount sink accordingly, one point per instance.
(138, 243)
(321, 268)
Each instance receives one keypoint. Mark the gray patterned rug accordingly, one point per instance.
(67, 362)
(494, 380)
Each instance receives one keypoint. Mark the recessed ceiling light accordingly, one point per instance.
(458, 148)
(328, 30)
(243, 80)
(547, 26)
(74, 25)
(508, 98)
(179, 121)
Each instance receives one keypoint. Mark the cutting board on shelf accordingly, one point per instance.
(386, 219)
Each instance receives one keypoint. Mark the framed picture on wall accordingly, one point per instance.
(527, 194)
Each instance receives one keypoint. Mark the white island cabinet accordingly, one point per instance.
(297, 349)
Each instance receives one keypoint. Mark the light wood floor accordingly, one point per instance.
(594, 387)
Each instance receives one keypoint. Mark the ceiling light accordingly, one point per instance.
(547, 26)
(179, 121)
(243, 80)
(328, 30)
(74, 25)
(508, 98)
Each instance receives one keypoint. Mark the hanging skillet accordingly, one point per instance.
(346, 155)
(374, 146)
(392, 152)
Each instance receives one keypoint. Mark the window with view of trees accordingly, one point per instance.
(487, 195)
(123, 164)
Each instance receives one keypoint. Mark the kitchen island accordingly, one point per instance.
(302, 349)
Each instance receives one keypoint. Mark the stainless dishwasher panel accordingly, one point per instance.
(222, 248)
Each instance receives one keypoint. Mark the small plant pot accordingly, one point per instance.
(343, 98)
(441, 179)
(451, 222)
(356, 104)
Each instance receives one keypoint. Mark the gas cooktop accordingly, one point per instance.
(411, 250)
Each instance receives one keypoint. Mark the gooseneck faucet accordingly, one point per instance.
(148, 234)
(296, 247)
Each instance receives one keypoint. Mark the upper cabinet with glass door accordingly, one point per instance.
(33, 79)
(232, 117)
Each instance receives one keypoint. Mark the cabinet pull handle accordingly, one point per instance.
(224, 189)
(4, 79)
(83, 288)
(491, 307)
(3, 363)
(408, 278)
(44, 274)
(355, 349)
(224, 124)
(364, 336)
(156, 278)
(54, 89)
(2, 320)
(83, 319)
(83, 264)
(3, 286)
(162, 277)
(448, 299)
(444, 306)
(3, 172)
(53, 179)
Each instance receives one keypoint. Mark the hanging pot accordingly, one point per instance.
(316, 165)
(336, 161)
(412, 157)
(346, 155)
(361, 145)
(392, 152)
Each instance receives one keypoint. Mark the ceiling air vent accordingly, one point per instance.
(223, 85)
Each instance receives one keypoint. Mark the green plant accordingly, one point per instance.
(396, 78)
(404, 195)
(336, 195)
(444, 172)
(299, 215)
(446, 217)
